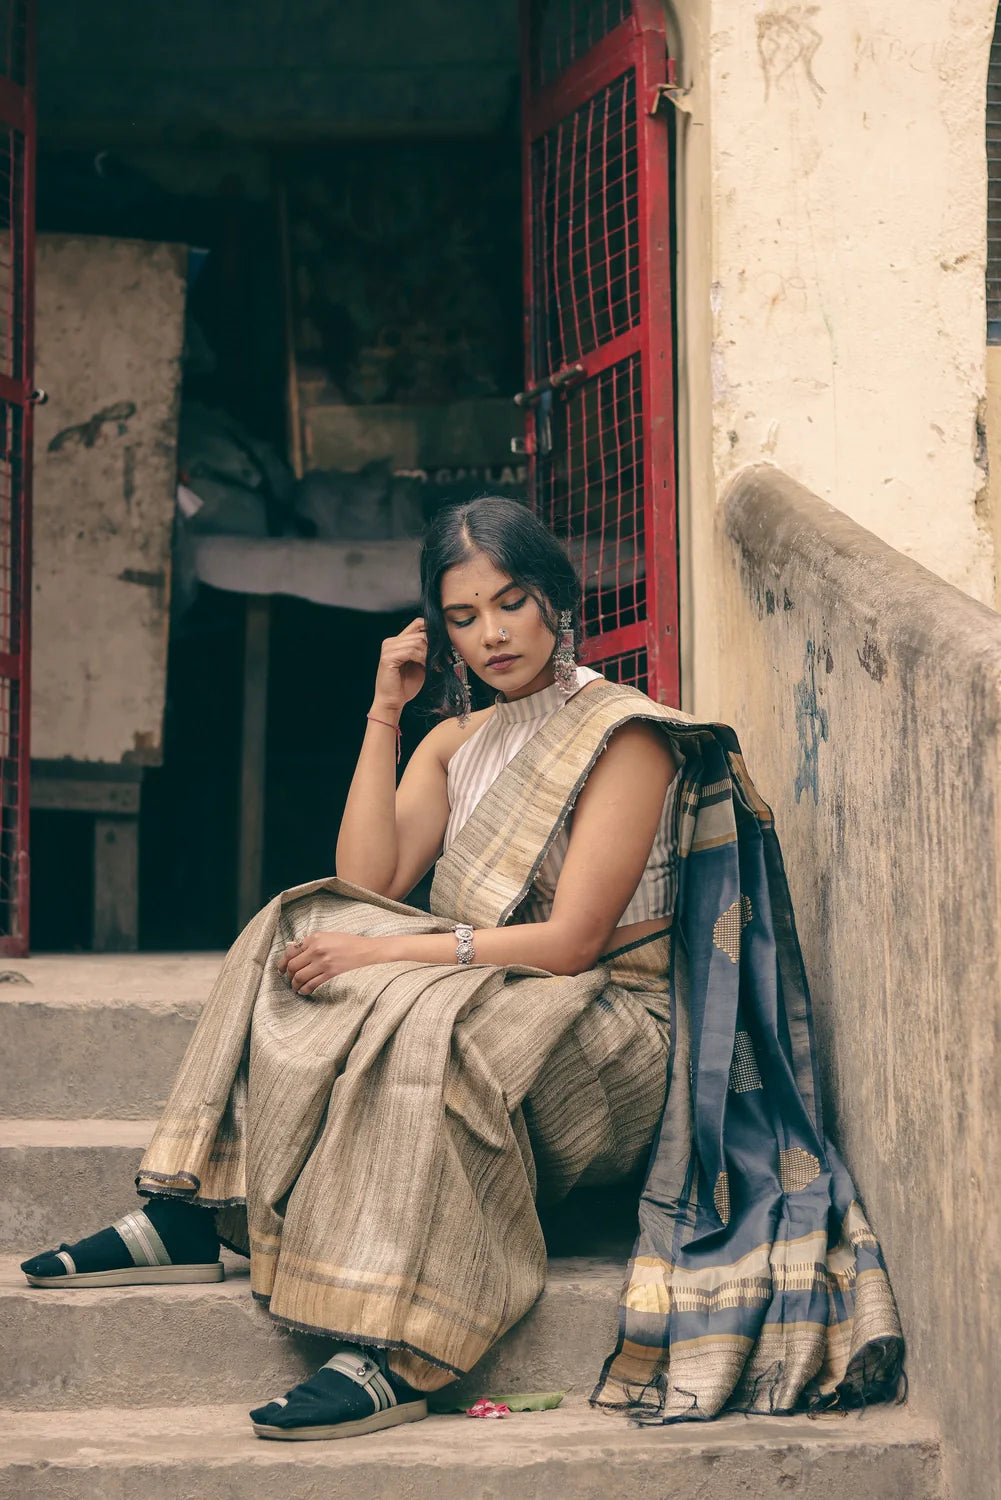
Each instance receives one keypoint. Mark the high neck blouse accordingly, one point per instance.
(476, 765)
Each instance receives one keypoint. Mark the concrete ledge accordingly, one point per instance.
(780, 529)
(867, 696)
(570, 1454)
(136, 1347)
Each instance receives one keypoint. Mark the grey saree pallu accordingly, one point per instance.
(378, 1148)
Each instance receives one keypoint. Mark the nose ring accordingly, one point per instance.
(502, 635)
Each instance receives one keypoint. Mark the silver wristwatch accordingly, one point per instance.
(464, 943)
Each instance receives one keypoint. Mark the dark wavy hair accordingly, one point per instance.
(517, 544)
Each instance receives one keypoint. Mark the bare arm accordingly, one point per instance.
(390, 836)
(614, 826)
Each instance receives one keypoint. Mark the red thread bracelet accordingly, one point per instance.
(396, 730)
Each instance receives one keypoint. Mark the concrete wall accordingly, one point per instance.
(833, 167)
(109, 329)
(867, 697)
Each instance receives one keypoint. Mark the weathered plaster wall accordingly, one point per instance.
(833, 163)
(849, 188)
(109, 328)
(867, 696)
(993, 423)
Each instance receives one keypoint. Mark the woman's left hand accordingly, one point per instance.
(324, 955)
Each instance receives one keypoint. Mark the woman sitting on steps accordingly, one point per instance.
(375, 1098)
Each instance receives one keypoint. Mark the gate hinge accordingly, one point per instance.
(670, 92)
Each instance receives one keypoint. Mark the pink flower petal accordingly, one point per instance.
(486, 1408)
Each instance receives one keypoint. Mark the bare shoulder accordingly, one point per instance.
(449, 735)
(639, 738)
(636, 749)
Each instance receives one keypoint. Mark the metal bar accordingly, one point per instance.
(660, 497)
(616, 642)
(15, 392)
(584, 78)
(555, 382)
(612, 352)
(529, 231)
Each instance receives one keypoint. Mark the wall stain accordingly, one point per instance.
(86, 434)
(128, 474)
(769, 601)
(786, 601)
(145, 580)
(872, 659)
(811, 726)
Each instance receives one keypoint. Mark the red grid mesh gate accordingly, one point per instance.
(17, 155)
(600, 397)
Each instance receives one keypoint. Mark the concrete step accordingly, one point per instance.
(570, 1454)
(67, 1178)
(98, 1035)
(135, 1346)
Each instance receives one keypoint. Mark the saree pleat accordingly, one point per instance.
(380, 1172)
(379, 1147)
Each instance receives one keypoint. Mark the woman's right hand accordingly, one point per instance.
(402, 667)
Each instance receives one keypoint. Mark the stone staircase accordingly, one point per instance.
(110, 1394)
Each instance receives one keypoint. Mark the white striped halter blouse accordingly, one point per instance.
(475, 767)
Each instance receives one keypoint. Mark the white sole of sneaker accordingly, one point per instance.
(410, 1411)
(136, 1276)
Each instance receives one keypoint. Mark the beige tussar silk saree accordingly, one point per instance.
(378, 1148)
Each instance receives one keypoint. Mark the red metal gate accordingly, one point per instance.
(17, 247)
(600, 397)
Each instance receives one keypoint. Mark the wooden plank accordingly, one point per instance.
(110, 331)
(67, 794)
(250, 864)
(116, 885)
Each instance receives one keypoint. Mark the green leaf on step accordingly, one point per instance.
(534, 1401)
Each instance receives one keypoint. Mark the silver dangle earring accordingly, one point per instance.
(465, 702)
(564, 659)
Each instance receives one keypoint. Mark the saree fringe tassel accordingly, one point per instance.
(378, 1148)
